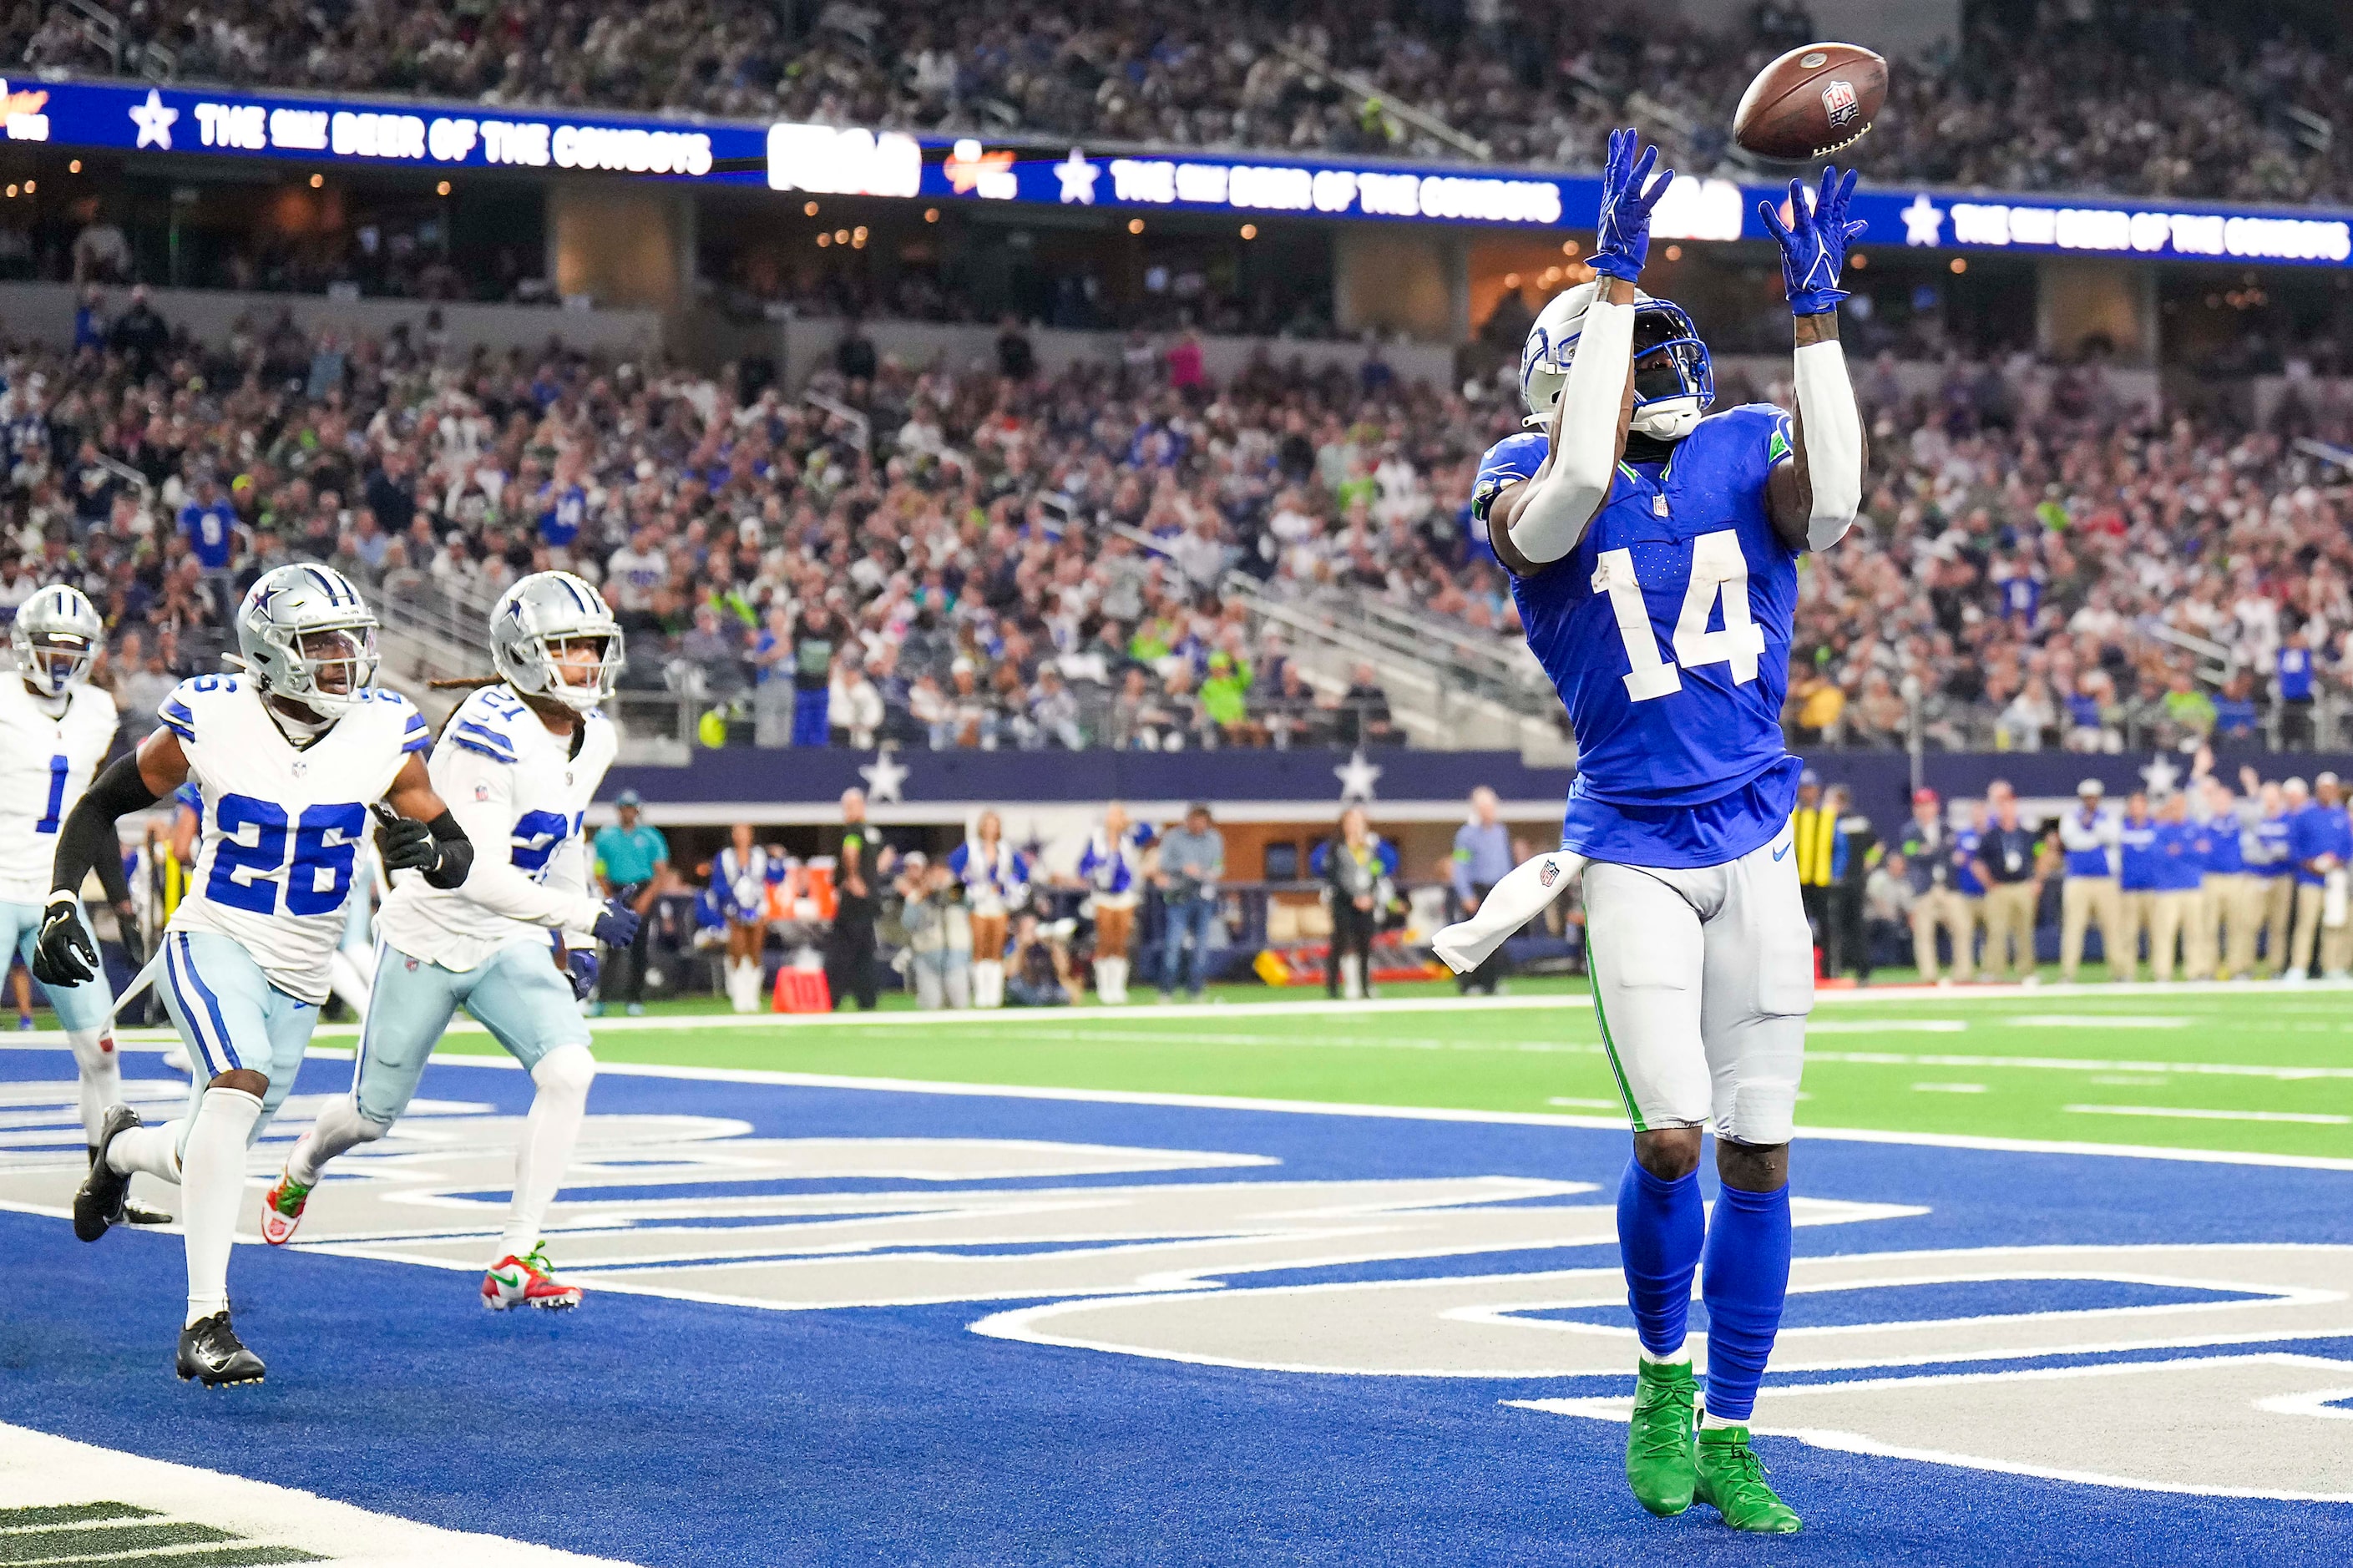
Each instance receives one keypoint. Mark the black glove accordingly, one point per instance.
(407, 843)
(618, 926)
(64, 954)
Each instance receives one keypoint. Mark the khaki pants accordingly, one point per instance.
(2086, 901)
(2230, 906)
(2335, 944)
(1957, 917)
(2139, 912)
(2279, 919)
(2169, 915)
(2009, 919)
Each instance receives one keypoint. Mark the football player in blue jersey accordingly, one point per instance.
(1653, 548)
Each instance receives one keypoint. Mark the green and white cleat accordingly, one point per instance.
(281, 1209)
(1731, 1480)
(1658, 1465)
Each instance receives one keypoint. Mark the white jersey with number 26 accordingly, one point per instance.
(282, 827)
(45, 763)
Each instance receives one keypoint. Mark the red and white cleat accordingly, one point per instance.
(527, 1281)
(281, 1209)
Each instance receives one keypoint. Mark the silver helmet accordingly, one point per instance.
(297, 624)
(532, 625)
(57, 636)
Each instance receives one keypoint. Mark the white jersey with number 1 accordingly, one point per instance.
(46, 762)
(520, 792)
(282, 827)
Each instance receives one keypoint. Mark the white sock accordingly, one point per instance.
(988, 985)
(214, 1176)
(549, 1133)
(1679, 1356)
(101, 1075)
(340, 1127)
(152, 1150)
(1710, 1420)
(1118, 987)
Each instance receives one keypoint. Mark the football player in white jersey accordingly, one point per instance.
(519, 762)
(55, 729)
(290, 754)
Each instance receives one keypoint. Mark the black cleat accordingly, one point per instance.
(211, 1352)
(137, 1213)
(98, 1204)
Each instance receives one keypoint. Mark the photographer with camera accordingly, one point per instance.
(939, 933)
(1192, 863)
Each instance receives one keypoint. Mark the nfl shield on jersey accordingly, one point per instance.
(520, 792)
(45, 763)
(283, 828)
(1666, 632)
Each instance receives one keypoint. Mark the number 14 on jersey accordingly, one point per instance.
(1719, 572)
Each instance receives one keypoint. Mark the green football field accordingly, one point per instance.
(2259, 1070)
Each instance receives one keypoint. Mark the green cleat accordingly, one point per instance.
(1731, 1480)
(1659, 1439)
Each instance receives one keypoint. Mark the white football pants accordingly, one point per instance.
(1702, 979)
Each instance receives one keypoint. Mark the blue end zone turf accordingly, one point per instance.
(662, 1430)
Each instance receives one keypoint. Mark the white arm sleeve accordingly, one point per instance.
(1562, 501)
(480, 793)
(1833, 437)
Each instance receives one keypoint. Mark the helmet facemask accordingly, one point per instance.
(327, 667)
(1673, 382)
(577, 686)
(54, 663)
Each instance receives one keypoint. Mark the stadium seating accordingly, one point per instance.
(2108, 96)
(1100, 559)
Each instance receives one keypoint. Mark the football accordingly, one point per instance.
(1811, 101)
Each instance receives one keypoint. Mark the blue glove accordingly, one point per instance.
(583, 966)
(618, 926)
(1813, 244)
(1622, 242)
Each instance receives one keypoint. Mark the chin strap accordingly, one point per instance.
(1833, 431)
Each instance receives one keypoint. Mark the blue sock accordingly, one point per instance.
(1746, 1279)
(1660, 1225)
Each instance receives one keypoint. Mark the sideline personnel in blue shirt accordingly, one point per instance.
(1483, 857)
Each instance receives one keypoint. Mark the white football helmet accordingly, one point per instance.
(1669, 393)
(57, 637)
(535, 619)
(297, 621)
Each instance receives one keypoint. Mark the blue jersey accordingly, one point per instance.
(1666, 632)
(2137, 858)
(1966, 844)
(2271, 839)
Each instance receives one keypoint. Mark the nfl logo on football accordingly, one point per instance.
(1839, 102)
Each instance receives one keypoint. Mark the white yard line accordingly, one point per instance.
(2163, 1110)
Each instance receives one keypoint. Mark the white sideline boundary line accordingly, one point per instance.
(1304, 1009)
(1340, 1108)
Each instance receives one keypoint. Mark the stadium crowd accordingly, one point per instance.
(2069, 95)
(962, 557)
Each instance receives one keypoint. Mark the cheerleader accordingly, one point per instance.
(739, 885)
(1112, 866)
(996, 882)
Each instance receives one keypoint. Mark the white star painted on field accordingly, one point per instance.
(1078, 177)
(2161, 774)
(885, 776)
(1924, 221)
(1356, 777)
(155, 120)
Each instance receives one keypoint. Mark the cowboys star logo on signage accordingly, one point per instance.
(1839, 102)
